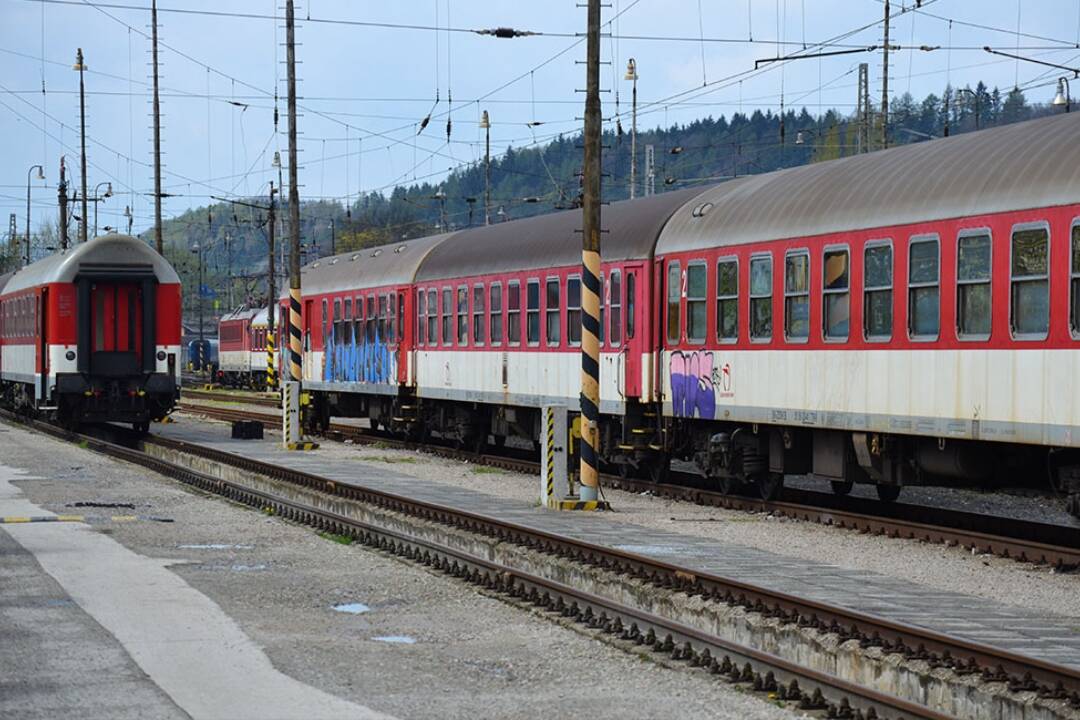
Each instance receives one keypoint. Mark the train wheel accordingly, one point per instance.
(658, 469)
(842, 487)
(729, 484)
(888, 493)
(770, 485)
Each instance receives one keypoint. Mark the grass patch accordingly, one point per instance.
(84, 444)
(334, 537)
(485, 470)
(381, 445)
(391, 459)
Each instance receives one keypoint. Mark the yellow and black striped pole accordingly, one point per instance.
(550, 492)
(295, 325)
(271, 376)
(590, 265)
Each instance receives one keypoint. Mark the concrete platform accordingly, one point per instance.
(1042, 635)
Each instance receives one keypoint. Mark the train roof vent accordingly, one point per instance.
(334, 261)
(702, 209)
(354, 257)
(401, 248)
(377, 253)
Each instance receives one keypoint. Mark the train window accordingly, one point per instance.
(674, 286)
(384, 307)
(392, 315)
(463, 315)
(877, 293)
(615, 309)
(338, 329)
(496, 309)
(553, 312)
(433, 317)
(973, 287)
(797, 295)
(513, 312)
(1030, 282)
(400, 316)
(421, 317)
(1074, 279)
(603, 307)
(761, 288)
(631, 283)
(923, 296)
(347, 312)
(479, 321)
(727, 300)
(447, 317)
(358, 327)
(325, 320)
(696, 299)
(532, 312)
(573, 310)
(836, 299)
(371, 319)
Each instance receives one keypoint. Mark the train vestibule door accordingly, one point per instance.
(116, 328)
(41, 349)
(634, 335)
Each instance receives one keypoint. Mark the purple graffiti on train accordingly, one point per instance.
(692, 392)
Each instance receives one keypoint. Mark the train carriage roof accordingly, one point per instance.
(241, 313)
(1014, 167)
(394, 264)
(102, 252)
(553, 240)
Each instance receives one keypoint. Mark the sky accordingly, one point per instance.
(369, 72)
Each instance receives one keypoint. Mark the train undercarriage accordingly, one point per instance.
(735, 457)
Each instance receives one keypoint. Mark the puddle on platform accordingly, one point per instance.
(215, 546)
(399, 639)
(352, 608)
(248, 568)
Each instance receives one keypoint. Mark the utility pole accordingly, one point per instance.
(885, 83)
(271, 303)
(159, 241)
(228, 270)
(650, 170)
(61, 191)
(590, 265)
(291, 405)
(333, 237)
(41, 176)
(631, 74)
(862, 141)
(485, 122)
(81, 67)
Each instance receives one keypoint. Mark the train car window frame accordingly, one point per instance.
(672, 302)
(552, 315)
(830, 293)
(532, 313)
(397, 332)
(869, 290)
(573, 311)
(762, 299)
(513, 314)
(479, 314)
(384, 319)
(372, 320)
(963, 284)
(615, 308)
(919, 286)
(694, 334)
(1014, 280)
(1074, 278)
(495, 314)
(358, 320)
(433, 317)
(421, 317)
(447, 316)
(631, 303)
(727, 300)
(792, 296)
(325, 320)
(603, 308)
(337, 326)
(461, 315)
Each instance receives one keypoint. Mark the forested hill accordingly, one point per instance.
(530, 180)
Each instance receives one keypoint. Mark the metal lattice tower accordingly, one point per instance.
(650, 170)
(13, 233)
(862, 113)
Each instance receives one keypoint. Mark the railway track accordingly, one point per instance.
(761, 671)
(239, 396)
(1021, 540)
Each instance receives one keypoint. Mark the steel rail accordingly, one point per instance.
(1021, 672)
(762, 671)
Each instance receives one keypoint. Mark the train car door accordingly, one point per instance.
(41, 349)
(405, 338)
(115, 329)
(635, 338)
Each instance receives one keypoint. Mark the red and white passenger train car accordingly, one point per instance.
(907, 316)
(242, 347)
(92, 334)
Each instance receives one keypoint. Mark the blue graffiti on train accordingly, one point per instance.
(366, 362)
(692, 385)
